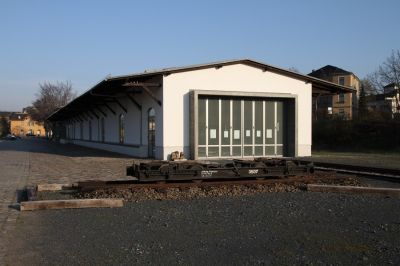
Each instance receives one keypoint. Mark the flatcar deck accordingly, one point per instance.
(205, 170)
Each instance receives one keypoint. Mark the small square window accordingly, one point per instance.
(341, 97)
(341, 81)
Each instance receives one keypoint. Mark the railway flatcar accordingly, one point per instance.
(216, 170)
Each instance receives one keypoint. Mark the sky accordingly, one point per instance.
(84, 41)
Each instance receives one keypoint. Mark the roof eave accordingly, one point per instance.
(322, 84)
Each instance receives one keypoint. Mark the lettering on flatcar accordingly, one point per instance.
(208, 173)
(253, 171)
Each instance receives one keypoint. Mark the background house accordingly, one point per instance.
(344, 105)
(21, 125)
(386, 102)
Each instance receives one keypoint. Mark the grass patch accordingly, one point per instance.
(371, 158)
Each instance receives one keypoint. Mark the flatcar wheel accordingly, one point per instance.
(164, 169)
(196, 170)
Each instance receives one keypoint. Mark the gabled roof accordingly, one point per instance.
(114, 85)
(250, 62)
(381, 96)
(391, 85)
(329, 71)
(5, 113)
(18, 116)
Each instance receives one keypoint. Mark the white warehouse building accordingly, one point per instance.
(230, 109)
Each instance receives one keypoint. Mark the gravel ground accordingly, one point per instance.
(185, 193)
(271, 228)
(217, 191)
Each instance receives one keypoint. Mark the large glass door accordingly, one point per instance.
(234, 127)
(258, 128)
(274, 122)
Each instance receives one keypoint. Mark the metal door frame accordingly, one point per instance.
(194, 118)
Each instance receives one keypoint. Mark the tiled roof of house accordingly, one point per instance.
(380, 96)
(328, 71)
(18, 116)
(391, 85)
(5, 114)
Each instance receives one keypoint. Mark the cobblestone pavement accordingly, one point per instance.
(34, 161)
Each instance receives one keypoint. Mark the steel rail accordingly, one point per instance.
(130, 184)
(388, 174)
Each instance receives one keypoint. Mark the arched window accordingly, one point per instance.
(90, 129)
(98, 130)
(74, 131)
(121, 128)
(103, 130)
(81, 130)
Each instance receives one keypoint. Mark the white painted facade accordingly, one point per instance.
(234, 78)
(173, 115)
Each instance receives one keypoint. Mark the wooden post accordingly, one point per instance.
(70, 204)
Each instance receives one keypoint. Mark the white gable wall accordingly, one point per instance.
(233, 78)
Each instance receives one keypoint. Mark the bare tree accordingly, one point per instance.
(294, 69)
(369, 85)
(50, 98)
(387, 73)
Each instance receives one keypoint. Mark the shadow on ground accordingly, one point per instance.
(40, 145)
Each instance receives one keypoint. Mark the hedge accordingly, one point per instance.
(357, 135)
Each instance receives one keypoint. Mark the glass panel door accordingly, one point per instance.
(258, 128)
(233, 127)
(225, 128)
(279, 126)
(247, 128)
(202, 127)
(237, 128)
(213, 128)
(274, 128)
(269, 128)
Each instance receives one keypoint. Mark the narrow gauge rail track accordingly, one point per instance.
(181, 174)
(388, 174)
(162, 174)
(89, 186)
